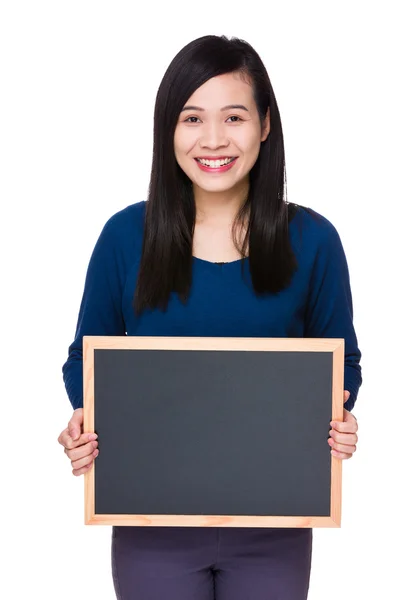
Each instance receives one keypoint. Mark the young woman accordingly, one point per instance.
(215, 251)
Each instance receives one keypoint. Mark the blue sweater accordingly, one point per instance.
(222, 303)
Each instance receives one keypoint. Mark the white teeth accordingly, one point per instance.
(215, 164)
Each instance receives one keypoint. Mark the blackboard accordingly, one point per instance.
(213, 431)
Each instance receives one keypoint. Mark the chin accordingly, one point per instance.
(217, 185)
(214, 188)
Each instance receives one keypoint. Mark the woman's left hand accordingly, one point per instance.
(343, 434)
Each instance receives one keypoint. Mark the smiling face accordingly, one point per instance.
(218, 135)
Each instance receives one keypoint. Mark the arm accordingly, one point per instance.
(329, 311)
(100, 311)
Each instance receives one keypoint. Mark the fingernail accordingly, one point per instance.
(92, 437)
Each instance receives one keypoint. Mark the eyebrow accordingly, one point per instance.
(228, 107)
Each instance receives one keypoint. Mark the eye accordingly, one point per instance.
(235, 119)
(192, 120)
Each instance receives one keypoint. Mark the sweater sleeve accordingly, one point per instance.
(101, 307)
(329, 310)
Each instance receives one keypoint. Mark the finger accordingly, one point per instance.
(85, 438)
(83, 470)
(345, 448)
(346, 395)
(341, 455)
(65, 439)
(349, 426)
(79, 464)
(82, 451)
(344, 438)
(76, 424)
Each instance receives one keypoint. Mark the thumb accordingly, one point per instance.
(75, 424)
(346, 396)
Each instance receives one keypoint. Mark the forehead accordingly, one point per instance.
(230, 88)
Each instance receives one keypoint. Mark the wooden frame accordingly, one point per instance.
(334, 346)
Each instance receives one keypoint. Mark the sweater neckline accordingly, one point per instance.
(219, 264)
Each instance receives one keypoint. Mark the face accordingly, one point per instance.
(219, 133)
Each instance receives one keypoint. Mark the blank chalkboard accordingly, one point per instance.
(213, 431)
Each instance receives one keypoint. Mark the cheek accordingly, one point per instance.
(184, 142)
(177, 145)
(249, 142)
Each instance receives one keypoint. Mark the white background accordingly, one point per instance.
(78, 83)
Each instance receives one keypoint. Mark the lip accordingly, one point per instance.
(221, 169)
(220, 157)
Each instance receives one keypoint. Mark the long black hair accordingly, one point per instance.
(166, 263)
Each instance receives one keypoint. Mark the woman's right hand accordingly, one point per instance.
(81, 448)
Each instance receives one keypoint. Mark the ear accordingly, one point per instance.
(265, 129)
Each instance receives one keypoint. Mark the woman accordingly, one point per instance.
(215, 251)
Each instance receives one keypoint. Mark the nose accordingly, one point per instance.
(214, 136)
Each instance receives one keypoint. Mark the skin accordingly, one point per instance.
(81, 448)
(343, 434)
(211, 129)
(209, 126)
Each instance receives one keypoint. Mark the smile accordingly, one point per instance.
(216, 165)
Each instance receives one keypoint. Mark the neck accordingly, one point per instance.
(219, 205)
